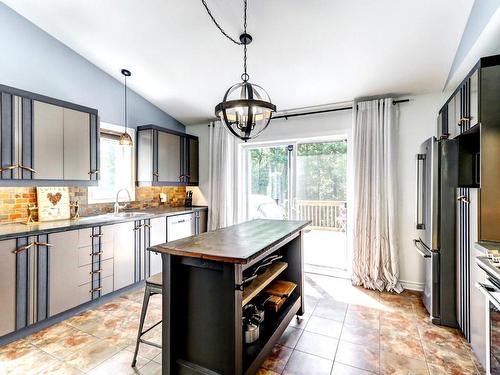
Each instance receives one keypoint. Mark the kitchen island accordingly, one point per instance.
(205, 288)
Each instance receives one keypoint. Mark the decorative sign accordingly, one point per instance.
(53, 203)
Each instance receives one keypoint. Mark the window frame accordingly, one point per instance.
(108, 130)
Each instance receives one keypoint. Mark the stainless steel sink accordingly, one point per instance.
(127, 214)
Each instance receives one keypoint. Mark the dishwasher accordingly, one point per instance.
(180, 226)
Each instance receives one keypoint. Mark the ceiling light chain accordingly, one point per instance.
(219, 26)
(246, 108)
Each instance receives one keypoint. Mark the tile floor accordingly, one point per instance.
(346, 330)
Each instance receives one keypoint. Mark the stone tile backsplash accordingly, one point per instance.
(14, 201)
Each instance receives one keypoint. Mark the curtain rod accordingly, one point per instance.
(329, 110)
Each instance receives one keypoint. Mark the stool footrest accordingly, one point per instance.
(150, 343)
(150, 328)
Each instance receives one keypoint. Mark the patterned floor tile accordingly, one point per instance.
(324, 326)
(278, 358)
(399, 342)
(341, 369)
(319, 345)
(307, 364)
(360, 356)
(361, 335)
(120, 363)
(395, 364)
(290, 337)
(91, 356)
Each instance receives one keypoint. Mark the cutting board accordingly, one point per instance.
(280, 288)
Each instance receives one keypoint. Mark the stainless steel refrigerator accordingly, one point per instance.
(437, 178)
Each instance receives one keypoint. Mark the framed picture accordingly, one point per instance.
(53, 203)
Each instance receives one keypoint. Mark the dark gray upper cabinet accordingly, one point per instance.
(166, 157)
(45, 141)
(476, 126)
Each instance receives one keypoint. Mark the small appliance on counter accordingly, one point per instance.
(188, 202)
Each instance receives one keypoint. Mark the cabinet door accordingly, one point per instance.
(145, 171)
(66, 275)
(157, 236)
(477, 300)
(474, 98)
(124, 255)
(454, 116)
(169, 157)
(48, 141)
(76, 145)
(7, 287)
(193, 168)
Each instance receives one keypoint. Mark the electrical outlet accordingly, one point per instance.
(163, 197)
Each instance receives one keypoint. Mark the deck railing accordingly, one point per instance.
(325, 215)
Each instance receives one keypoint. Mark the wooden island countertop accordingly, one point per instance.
(240, 243)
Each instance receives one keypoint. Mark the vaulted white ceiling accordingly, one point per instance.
(304, 53)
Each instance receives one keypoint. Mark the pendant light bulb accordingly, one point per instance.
(125, 138)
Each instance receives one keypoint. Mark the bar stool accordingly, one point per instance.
(154, 286)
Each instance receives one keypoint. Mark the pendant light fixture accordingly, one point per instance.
(246, 108)
(125, 138)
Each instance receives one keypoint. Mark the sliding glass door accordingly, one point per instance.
(269, 181)
(304, 181)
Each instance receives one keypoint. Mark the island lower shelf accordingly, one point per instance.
(254, 354)
(257, 285)
(206, 301)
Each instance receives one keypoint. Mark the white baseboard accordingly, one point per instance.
(412, 285)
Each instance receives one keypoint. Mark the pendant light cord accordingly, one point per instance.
(219, 26)
(126, 104)
(245, 75)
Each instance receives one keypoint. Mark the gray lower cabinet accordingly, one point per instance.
(124, 272)
(7, 287)
(157, 235)
(69, 281)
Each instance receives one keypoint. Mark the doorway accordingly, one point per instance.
(304, 181)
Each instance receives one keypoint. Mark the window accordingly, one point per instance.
(116, 167)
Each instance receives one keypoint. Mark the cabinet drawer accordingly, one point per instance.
(107, 268)
(85, 236)
(107, 285)
(83, 275)
(85, 258)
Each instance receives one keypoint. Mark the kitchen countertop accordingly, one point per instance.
(15, 230)
(485, 247)
(239, 243)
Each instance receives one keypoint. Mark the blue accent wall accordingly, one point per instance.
(32, 60)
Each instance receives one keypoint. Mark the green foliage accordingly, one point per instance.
(321, 171)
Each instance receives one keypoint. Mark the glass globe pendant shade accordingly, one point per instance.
(246, 110)
(125, 139)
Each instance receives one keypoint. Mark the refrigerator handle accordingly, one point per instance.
(419, 200)
(423, 252)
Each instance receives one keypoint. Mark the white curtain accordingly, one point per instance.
(375, 243)
(222, 195)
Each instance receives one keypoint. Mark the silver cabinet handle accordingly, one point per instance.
(139, 227)
(96, 235)
(94, 272)
(95, 290)
(94, 172)
(14, 166)
(147, 225)
(463, 198)
(96, 254)
(29, 246)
